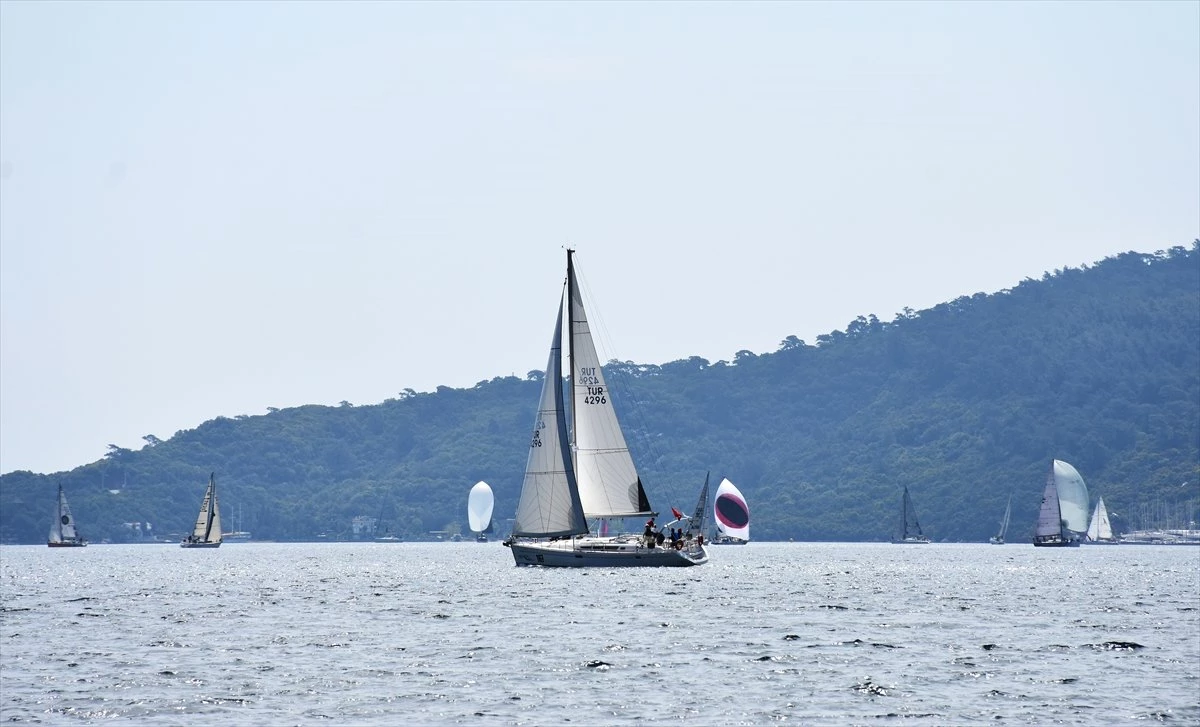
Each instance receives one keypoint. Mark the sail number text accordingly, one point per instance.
(595, 392)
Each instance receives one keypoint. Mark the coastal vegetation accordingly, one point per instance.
(964, 403)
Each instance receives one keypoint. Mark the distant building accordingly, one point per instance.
(363, 526)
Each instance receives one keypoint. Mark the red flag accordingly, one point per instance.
(678, 515)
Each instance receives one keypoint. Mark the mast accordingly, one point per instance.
(570, 339)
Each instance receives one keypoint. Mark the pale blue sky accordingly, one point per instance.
(211, 208)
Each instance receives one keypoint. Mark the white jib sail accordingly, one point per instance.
(479, 507)
(730, 511)
(608, 481)
(1072, 496)
(1100, 528)
(549, 504)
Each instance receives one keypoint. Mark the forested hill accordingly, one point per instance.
(965, 403)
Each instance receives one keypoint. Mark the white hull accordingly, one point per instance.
(595, 552)
(912, 541)
(727, 540)
(186, 544)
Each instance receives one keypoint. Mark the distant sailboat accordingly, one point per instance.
(207, 531)
(910, 529)
(1062, 519)
(1100, 530)
(62, 530)
(998, 538)
(583, 472)
(480, 503)
(731, 515)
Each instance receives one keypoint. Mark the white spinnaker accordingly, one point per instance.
(479, 507)
(1072, 496)
(608, 481)
(730, 511)
(549, 504)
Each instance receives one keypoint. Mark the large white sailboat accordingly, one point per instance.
(480, 502)
(1100, 530)
(207, 531)
(731, 515)
(583, 472)
(910, 532)
(998, 538)
(1062, 519)
(62, 530)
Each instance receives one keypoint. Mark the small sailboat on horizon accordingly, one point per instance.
(910, 528)
(1062, 519)
(63, 533)
(207, 531)
(998, 538)
(731, 515)
(1100, 530)
(480, 503)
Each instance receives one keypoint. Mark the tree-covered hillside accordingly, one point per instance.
(966, 403)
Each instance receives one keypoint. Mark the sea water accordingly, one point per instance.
(454, 633)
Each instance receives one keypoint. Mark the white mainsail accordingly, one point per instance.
(479, 507)
(609, 486)
(1100, 528)
(730, 512)
(549, 504)
(999, 537)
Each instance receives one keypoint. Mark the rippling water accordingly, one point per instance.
(384, 634)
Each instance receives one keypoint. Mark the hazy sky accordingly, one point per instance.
(207, 209)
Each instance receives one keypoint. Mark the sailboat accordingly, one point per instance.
(207, 532)
(585, 472)
(910, 529)
(480, 503)
(62, 530)
(998, 538)
(1062, 519)
(1100, 530)
(731, 515)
